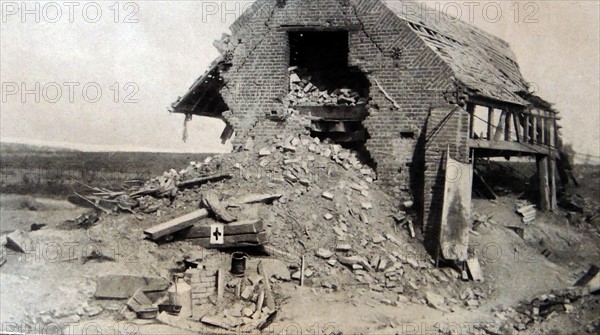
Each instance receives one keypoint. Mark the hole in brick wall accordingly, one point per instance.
(409, 135)
(325, 87)
(320, 74)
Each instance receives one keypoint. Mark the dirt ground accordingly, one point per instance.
(53, 284)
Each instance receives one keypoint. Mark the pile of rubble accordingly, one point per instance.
(303, 92)
(314, 210)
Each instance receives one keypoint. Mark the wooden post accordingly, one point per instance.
(507, 126)
(552, 132)
(526, 128)
(542, 130)
(267, 283)
(500, 129)
(552, 177)
(533, 129)
(471, 111)
(220, 284)
(542, 167)
(517, 121)
(302, 266)
(490, 123)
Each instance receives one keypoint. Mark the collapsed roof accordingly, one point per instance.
(481, 62)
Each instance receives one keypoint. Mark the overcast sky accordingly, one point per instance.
(556, 43)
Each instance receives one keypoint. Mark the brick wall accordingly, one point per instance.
(203, 281)
(257, 82)
(446, 131)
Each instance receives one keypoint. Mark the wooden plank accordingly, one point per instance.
(542, 123)
(553, 187)
(220, 284)
(500, 129)
(269, 300)
(490, 123)
(534, 132)
(552, 133)
(471, 111)
(255, 198)
(481, 184)
(526, 129)
(210, 200)
(507, 126)
(516, 119)
(242, 240)
(175, 225)
(302, 265)
(512, 146)
(542, 167)
(456, 211)
(335, 113)
(188, 220)
(202, 180)
(236, 228)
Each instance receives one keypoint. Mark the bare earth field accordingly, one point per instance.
(52, 285)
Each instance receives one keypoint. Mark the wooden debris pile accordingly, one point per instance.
(304, 92)
(234, 233)
(130, 198)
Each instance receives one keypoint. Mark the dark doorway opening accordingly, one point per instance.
(323, 86)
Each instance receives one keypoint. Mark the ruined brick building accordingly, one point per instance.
(395, 82)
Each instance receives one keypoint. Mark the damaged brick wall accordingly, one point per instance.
(447, 131)
(383, 47)
(203, 282)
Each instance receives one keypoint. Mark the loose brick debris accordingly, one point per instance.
(315, 210)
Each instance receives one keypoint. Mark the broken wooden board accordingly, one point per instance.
(456, 212)
(124, 286)
(237, 228)
(211, 201)
(269, 300)
(202, 180)
(482, 187)
(175, 225)
(188, 220)
(254, 198)
(242, 240)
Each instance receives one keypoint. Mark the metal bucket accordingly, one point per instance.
(238, 263)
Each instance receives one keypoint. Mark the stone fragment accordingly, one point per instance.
(324, 253)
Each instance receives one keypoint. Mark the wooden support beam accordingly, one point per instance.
(552, 133)
(542, 123)
(233, 241)
(517, 122)
(526, 128)
(544, 187)
(471, 111)
(490, 123)
(482, 186)
(534, 129)
(334, 113)
(553, 187)
(500, 129)
(507, 126)
(511, 147)
(235, 228)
